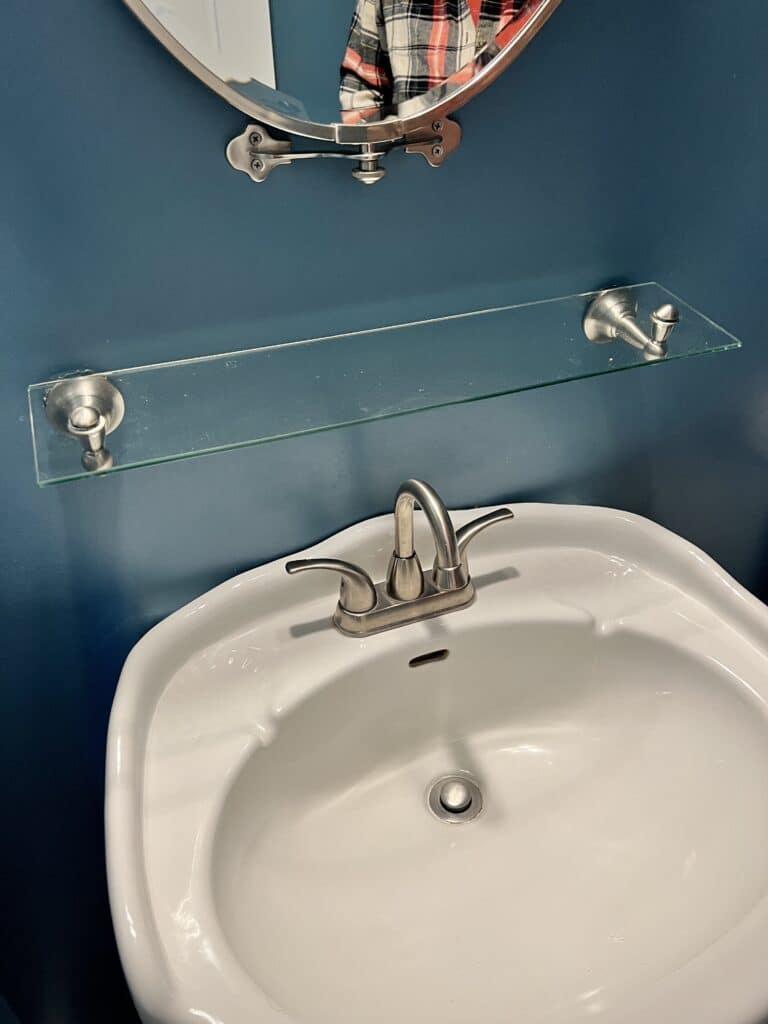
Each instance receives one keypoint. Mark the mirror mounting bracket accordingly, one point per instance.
(434, 141)
(257, 153)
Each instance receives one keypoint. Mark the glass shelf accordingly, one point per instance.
(198, 406)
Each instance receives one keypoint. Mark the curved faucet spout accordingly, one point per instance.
(416, 492)
(448, 572)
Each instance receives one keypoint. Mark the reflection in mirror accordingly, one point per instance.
(232, 38)
(404, 50)
(301, 58)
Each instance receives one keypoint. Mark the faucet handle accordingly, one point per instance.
(357, 593)
(467, 533)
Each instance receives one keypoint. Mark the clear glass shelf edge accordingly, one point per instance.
(177, 410)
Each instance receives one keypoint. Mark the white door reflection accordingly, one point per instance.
(233, 39)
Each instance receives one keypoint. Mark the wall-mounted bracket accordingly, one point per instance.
(435, 142)
(86, 408)
(257, 153)
(613, 314)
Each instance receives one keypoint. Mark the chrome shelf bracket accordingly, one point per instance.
(613, 314)
(87, 408)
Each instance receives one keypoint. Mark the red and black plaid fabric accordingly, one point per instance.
(400, 49)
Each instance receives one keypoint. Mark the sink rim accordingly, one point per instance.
(167, 647)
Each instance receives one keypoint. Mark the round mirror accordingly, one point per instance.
(352, 71)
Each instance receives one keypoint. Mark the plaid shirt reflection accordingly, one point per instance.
(400, 49)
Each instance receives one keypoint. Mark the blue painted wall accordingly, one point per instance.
(617, 148)
(309, 40)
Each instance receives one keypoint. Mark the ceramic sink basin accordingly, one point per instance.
(272, 855)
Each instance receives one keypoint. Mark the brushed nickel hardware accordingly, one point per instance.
(87, 408)
(357, 594)
(257, 153)
(467, 533)
(455, 798)
(405, 577)
(613, 314)
(408, 594)
(368, 171)
(435, 141)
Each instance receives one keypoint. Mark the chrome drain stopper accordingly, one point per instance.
(455, 798)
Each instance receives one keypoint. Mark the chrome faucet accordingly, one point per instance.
(409, 593)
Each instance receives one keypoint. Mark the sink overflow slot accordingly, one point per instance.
(426, 659)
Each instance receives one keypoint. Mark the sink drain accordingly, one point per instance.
(455, 798)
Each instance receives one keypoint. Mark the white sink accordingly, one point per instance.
(271, 853)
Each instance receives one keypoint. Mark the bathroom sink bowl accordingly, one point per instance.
(278, 852)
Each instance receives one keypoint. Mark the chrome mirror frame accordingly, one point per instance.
(428, 131)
